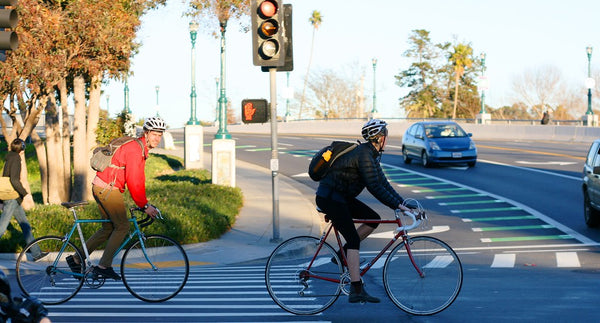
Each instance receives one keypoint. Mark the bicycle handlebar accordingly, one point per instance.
(147, 220)
(417, 219)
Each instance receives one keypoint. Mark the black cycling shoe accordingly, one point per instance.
(107, 272)
(75, 267)
(361, 297)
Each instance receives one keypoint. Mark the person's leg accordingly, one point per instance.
(19, 214)
(111, 202)
(7, 212)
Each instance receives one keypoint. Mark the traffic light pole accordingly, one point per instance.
(274, 154)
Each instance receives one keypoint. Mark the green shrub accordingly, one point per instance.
(194, 209)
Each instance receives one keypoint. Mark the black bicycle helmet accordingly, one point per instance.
(373, 128)
(155, 124)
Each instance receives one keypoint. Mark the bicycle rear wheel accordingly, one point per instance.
(290, 275)
(433, 292)
(166, 279)
(49, 279)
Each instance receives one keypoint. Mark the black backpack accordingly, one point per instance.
(324, 158)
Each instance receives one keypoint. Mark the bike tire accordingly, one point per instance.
(167, 279)
(288, 283)
(426, 295)
(50, 279)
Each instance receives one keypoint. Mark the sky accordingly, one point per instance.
(515, 35)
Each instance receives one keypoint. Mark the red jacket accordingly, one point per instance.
(131, 157)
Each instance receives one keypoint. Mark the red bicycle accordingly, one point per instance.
(422, 275)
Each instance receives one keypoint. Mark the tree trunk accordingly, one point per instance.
(92, 122)
(455, 96)
(55, 185)
(80, 151)
(65, 138)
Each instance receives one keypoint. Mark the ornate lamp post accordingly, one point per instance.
(193, 33)
(157, 88)
(374, 109)
(589, 82)
(482, 84)
(126, 98)
(222, 132)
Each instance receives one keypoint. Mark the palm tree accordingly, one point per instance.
(315, 20)
(460, 59)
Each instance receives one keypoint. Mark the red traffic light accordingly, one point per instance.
(267, 9)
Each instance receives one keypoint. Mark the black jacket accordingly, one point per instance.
(354, 171)
(12, 169)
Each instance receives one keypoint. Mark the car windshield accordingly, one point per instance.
(443, 131)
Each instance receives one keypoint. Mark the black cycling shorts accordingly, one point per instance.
(341, 215)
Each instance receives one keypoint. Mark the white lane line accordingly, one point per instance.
(567, 259)
(504, 260)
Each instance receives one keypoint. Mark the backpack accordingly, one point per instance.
(102, 156)
(324, 158)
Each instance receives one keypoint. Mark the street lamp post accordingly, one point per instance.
(126, 98)
(157, 106)
(193, 33)
(222, 132)
(374, 109)
(590, 81)
(482, 85)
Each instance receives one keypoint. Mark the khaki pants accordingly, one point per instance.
(112, 206)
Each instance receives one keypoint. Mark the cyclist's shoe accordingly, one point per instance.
(40, 256)
(75, 267)
(361, 297)
(108, 272)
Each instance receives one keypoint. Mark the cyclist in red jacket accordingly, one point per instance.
(127, 168)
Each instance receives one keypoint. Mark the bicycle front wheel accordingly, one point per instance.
(49, 279)
(435, 289)
(155, 269)
(301, 276)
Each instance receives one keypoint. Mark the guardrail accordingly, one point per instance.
(567, 133)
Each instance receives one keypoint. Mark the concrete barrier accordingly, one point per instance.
(398, 127)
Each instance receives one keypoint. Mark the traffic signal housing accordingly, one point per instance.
(255, 111)
(8, 21)
(268, 36)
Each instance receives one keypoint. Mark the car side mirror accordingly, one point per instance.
(470, 134)
(596, 170)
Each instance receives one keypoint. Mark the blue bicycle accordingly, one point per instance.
(154, 268)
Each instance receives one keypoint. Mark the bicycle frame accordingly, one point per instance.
(77, 225)
(400, 232)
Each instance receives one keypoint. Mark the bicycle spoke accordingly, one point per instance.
(296, 274)
(157, 271)
(49, 279)
(436, 289)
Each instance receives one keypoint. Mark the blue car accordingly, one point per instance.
(438, 142)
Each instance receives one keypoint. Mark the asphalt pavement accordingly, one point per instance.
(252, 236)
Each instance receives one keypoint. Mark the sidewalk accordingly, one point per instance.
(250, 238)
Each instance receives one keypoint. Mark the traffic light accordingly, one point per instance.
(8, 20)
(268, 36)
(287, 44)
(255, 111)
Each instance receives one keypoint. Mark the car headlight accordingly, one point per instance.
(433, 145)
(472, 145)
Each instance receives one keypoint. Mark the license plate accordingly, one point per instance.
(456, 155)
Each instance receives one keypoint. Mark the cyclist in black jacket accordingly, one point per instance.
(337, 193)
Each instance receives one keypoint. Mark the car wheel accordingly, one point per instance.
(472, 164)
(425, 159)
(591, 215)
(407, 159)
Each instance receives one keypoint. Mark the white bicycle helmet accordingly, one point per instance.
(155, 124)
(373, 128)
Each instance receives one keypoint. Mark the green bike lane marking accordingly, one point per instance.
(393, 172)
